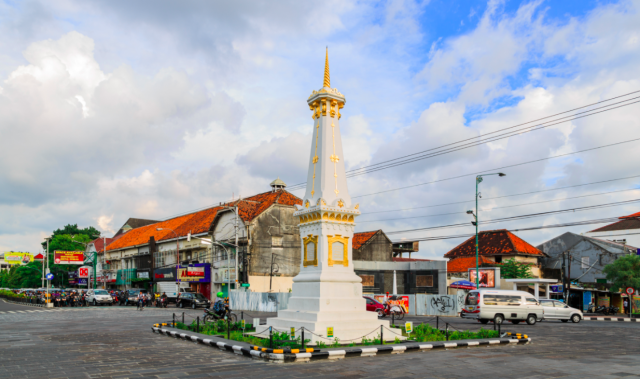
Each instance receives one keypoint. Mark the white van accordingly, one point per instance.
(496, 305)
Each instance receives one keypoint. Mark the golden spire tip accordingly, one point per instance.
(327, 80)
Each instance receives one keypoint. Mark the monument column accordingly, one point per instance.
(327, 292)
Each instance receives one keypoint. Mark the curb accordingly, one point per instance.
(27, 304)
(277, 357)
(621, 319)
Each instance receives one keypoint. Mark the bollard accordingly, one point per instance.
(447, 330)
(303, 338)
(198, 325)
(494, 326)
(174, 320)
(271, 337)
(183, 317)
(381, 336)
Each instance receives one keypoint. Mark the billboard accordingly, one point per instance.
(68, 257)
(199, 272)
(14, 258)
(487, 277)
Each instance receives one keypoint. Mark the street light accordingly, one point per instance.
(207, 241)
(475, 216)
(177, 257)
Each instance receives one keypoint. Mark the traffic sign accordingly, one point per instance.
(49, 276)
(630, 291)
(408, 326)
(83, 272)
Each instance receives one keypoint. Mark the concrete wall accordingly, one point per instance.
(266, 231)
(405, 275)
(260, 283)
(378, 248)
(258, 301)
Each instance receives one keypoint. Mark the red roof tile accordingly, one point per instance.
(200, 222)
(360, 239)
(494, 242)
(626, 223)
(465, 263)
(634, 215)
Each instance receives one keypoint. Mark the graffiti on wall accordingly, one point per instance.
(442, 305)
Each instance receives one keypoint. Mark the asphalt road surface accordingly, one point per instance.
(117, 342)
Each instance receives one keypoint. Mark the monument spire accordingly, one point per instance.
(327, 79)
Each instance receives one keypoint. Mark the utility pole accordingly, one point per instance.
(237, 246)
(43, 259)
(569, 281)
(564, 277)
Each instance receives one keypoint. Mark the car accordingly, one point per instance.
(374, 305)
(131, 297)
(499, 305)
(557, 310)
(96, 297)
(193, 300)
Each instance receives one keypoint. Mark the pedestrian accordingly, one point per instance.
(626, 305)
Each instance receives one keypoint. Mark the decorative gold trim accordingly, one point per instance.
(340, 203)
(315, 159)
(327, 78)
(333, 108)
(306, 204)
(345, 243)
(357, 205)
(334, 157)
(314, 240)
(324, 106)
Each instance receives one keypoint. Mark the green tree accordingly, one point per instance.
(624, 272)
(22, 276)
(512, 269)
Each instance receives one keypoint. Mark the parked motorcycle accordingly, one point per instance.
(161, 302)
(613, 310)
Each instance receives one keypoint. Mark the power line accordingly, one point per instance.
(412, 157)
(499, 168)
(525, 216)
(507, 206)
(500, 197)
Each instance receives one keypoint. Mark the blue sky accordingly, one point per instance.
(152, 108)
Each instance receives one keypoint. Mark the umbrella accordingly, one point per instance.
(463, 284)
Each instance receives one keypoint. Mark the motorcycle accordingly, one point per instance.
(393, 310)
(219, 311)
(161, 302)
(613, 310)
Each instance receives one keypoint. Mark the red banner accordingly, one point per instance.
(68, 257)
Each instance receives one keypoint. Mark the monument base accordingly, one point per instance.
(318, 306)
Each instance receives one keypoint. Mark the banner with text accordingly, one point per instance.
(68, 257)
(14, 258)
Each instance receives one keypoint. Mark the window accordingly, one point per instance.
(585, 262)
(424, 280)
(502, 300)
(368, 281)
(472, 298)
(546, 303)
(531, 301)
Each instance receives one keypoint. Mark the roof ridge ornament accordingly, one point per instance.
(327, 78)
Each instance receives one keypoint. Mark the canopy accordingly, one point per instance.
(463, 284)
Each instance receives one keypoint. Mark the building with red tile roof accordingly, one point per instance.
(372, 246)
(625, 231)
(463, 264)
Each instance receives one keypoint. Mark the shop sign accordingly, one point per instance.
(14, 258)
(164, 275)
(83, 272)
(199, 272)
(143, 275)
(68, 257)
(73, 277)
(82, 281)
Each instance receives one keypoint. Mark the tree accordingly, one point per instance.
(624, 272)
(512, 269)
(22, 276)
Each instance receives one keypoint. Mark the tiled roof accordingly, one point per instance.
(464, 263)
(360, 239)
(634, 215)
(98, 243)
(200, 222)
(398, 259)
(494, 242)
(135, 223)
(624, 224)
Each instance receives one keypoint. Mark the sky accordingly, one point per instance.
(149, 109)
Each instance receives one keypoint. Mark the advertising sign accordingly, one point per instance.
(68, 257)
(82, 282)
(408, 326)
(14, 258)
(143, 274)
(164, 274)
(487, 277)
(330, 331)
(199, 272)
(83, 272)
(73, 277)
(401, 301)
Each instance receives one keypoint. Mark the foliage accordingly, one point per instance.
(427, 333)
(512, 269)
(624, 272)
(22, 276)
(10, 294)
(321, 345)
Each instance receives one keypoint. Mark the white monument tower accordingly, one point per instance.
(327, 292)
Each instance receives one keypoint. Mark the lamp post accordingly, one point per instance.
(177, 259)
(49, 305)
(475, 216)
(207, 241)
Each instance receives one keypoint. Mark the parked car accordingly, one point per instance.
(374, 305)
(193, 300)
(557, 310)
(131, 296)
(496, 305)
(101, 297)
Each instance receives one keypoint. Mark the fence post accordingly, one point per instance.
(499, 332)
(494, 326)
(447, 330)
(271, 337)
(437, 323)
(241, 316)
(183, 317)
(228, 329)
(381, 335)
(198, 325)
(393, 318)
(174, 320)
(303, 338)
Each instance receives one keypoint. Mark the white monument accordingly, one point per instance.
(327, 292)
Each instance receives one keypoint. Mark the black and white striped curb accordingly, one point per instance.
(21, 303)
(622, 319)
(335, 354)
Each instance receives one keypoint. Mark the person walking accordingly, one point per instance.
(625, 305)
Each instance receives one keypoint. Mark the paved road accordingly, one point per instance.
(116, 342)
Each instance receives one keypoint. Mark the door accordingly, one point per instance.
(562, 310)
(549, 308)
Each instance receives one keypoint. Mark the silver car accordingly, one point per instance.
(557, 310)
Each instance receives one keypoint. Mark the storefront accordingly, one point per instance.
(198, 275)
(163, 275)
